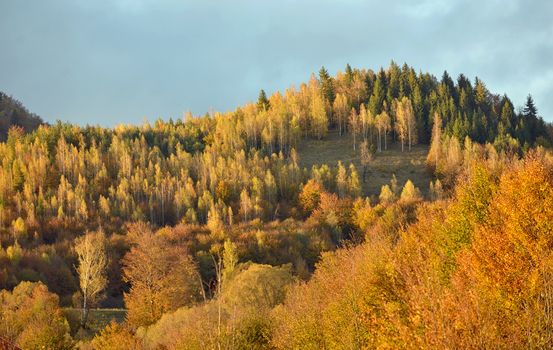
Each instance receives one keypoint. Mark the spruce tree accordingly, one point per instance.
(327, 85)
(379, 92)
(530, 110)
(262, 101)
(349, 74)
(530, 116)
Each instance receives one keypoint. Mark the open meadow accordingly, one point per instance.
(407, 165)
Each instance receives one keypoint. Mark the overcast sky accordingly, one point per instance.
(121, 61)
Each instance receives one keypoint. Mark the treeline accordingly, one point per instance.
(244, 161)
(395, 104)
(13, 113)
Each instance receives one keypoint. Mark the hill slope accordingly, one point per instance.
(404, 165)
(13, 113)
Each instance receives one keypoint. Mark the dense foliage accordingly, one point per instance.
(211, 234)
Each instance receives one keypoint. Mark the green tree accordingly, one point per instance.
(327, 85)
(530, 117)
(376, 101)
(262, 102)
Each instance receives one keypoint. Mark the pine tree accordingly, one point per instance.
(378, 94)
(530, 116)
(530, 110)
(327, 85)
(262, 101)
(349, 74)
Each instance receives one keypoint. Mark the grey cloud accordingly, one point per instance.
(123, 60)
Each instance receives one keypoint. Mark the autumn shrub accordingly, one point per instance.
(31, 318)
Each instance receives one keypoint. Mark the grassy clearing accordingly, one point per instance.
(97, 318)
(405, 165)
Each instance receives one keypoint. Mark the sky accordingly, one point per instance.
(125, 61)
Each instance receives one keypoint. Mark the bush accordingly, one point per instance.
(33, 318)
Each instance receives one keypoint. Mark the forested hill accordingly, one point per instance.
(173, 171)
(205, 226)
(13, 113)
(466, 108)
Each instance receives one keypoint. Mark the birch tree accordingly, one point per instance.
(405, 122)
(92, 255)
(340, 108)
(435, 143)
(354, 125)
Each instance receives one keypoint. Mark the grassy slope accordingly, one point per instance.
(406, 165)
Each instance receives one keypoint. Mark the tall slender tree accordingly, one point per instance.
(354, 126)
(92, 255)
(435, 143)
(341, 109)
(405, 122)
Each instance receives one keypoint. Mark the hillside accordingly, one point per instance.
(404, 165)
(13, 113)
(255, 226)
